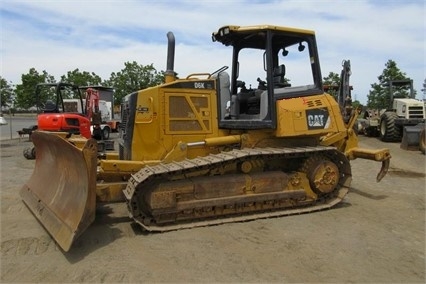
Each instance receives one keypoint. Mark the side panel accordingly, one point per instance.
(157, 118)
(190, 116)
(188, 112)
(315, 115)
(146, 125)
(66, 122)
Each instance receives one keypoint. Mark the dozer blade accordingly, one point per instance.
(61, 191)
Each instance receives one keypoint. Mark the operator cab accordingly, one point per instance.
(51, 98)
(285, 61)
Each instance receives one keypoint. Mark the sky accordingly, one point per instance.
(100, 35)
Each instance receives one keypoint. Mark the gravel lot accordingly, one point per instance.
(376, 235)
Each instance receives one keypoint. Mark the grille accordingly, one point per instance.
(121, 151)
(415, 112)
(124, 117)
(314, 103)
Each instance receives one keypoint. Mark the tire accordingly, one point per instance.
(366, 128)
(105, 133)
(357, 127)
(30, 153)
(388, 131)
(97, 133)
(369, 132)
(422, 141)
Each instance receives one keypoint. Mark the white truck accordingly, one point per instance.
(73, 105)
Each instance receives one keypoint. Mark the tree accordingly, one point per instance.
(332, 84)
(132, 78)
(356, 104)
(333, 79)
(25, 97)
(79, 78)
(379, 96)
(6, 92)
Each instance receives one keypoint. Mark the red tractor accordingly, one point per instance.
(60, 116)
(68, 112)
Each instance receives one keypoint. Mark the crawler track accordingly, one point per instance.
(236, 186)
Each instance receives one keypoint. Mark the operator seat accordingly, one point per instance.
(50, 107)
(278, 79)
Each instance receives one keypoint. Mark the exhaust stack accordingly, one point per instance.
(170, 73)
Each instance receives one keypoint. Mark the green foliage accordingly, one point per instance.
(333, 81)
(25, 92)
(6, 92)
(379, 95)
(356, 104)
(132, 78)
(79, 78)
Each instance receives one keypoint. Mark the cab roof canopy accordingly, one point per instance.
(255, 36)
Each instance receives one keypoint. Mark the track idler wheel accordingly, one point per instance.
(322, 173)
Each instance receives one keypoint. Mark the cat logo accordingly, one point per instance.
(317, 118)
(142, 109)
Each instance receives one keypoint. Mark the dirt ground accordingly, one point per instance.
(376, 235)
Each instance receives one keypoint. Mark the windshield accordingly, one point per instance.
(293, 57)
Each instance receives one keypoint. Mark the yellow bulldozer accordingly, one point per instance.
(209, 148)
